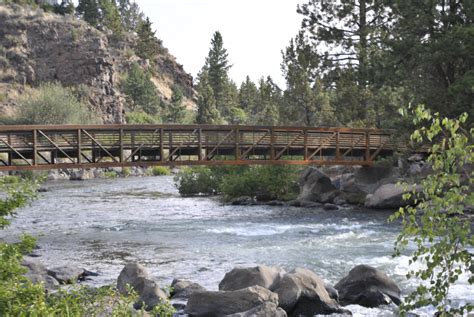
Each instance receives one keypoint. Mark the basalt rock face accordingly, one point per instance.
(38, 47)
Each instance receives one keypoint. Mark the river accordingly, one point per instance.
(104, 223)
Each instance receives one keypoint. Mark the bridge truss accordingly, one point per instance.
(86, 146)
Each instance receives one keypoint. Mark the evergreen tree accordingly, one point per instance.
(89, 11)
(235, 115)
(217, 66)
(207, 111)
(110, 16)
(299, 68)
(269, 97)
(66, 7)
(147, 45)
(348, 37)
(141, 91)
(176, 110)
(248, 97)
(130, 14)
(431, 53)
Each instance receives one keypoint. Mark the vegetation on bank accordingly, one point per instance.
(274, 182)
(20, 297)
(442, 235)
(51, 103)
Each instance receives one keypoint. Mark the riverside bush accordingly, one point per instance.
(160, 170)
(234, 181)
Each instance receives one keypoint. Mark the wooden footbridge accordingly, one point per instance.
(85, 146)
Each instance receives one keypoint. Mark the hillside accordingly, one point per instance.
(38, 47)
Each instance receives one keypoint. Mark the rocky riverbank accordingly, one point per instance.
(244, 291)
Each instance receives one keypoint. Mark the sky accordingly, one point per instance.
(254, 32)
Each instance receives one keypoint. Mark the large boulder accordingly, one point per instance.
(367, 286)
(303, 293)
(262, 275)
(134, 275)
(388, 196)
(264, 310)
(223, 303)
(183, 289)
(150, 296)
(316, 186)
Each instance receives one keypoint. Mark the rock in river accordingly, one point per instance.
(183, 289)
(239, 278)
(316, 186)
(367, 286)
(223, 303)
(134, 275)
(388, 196)
(303, 293)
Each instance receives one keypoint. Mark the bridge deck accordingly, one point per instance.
(68, 146)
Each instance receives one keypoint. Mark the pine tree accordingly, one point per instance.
(431, 53)
(207, 111)
(147, 45)
(141, 91)
(176, 110)
(300, 64)
(110, 16)
(248, 96)
(89, 11)
(130, 14)
(218, 66)
(268, 101)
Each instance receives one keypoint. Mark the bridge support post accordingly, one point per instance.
(162, 145)
(237, 144)
(305, 150)
(35, 147)
(79, 146)
(367, 146)
(199, 144)
(338, 154)
(121, 146)
(272, 144)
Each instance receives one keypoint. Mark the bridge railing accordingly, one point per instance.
(69, 146)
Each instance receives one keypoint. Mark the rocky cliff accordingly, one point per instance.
(38, 47)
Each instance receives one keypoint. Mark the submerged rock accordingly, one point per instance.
(239, 278)
(242, 201)
(368, 287)
(223, 303)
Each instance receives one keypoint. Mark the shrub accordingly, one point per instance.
(52, 104)
(235, 181)
(277, 181)
(197, 181)
(126, 171)
(160, 170)
(140, 117)
(110, 174)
